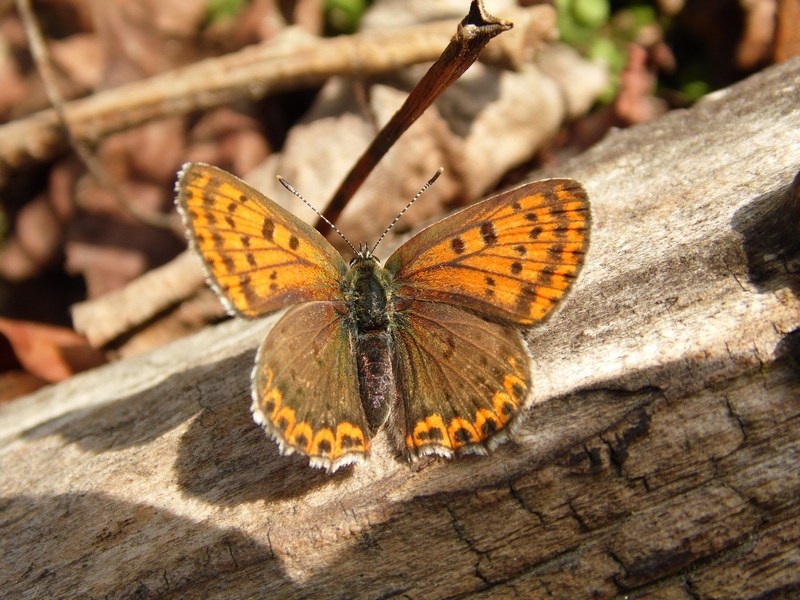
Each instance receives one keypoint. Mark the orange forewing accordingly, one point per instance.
(258, 256)
(512, 257)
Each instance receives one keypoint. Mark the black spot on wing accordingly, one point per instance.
(546, 275)
(248, 290)
(433, 434)
(526, 298)
(507, 409)
(462, 436)
(488, 233)
(489, 427)
(550, 196)
(268, 230)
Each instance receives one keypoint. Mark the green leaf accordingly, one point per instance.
(224, 9)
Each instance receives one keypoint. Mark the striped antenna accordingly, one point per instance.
(414, 199)
(289, 187)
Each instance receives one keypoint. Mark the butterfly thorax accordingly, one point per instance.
(366, 286)
(367, 292)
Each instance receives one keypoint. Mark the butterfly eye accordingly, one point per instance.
(364, 255)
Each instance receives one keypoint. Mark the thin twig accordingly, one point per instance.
(472, 35)
(254, 72)
(45, 67)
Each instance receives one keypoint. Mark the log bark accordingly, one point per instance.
(661, 458)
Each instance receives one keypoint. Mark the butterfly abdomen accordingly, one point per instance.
(375, 376)
(365, 290)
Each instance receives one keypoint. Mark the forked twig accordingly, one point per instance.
(45, 67)
(471, 37)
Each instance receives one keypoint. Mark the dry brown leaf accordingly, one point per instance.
(260, 21)
(227, 138)
(16, 383)
(759, 33)
(146, 154)
(12, 83)
(80, 59)
(110, 252)
(104, 268)
(48, 352)
(35, 243)
(635, 102)
(139, 38)
(787, 36)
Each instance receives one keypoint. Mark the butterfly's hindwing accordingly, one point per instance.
(512, 257)
(463, 381)
(306, 390)
(258, 256)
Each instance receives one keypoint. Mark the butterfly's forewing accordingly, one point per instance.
(512, 257)
(464, 380)
(258, 256)
(306, 390)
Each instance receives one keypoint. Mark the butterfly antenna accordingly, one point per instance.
(289, 187)
(414, 199)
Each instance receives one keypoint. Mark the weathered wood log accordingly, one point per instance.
(661, 458)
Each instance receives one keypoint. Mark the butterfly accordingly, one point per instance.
(429, 345)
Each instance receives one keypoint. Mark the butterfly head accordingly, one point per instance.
(363, 254)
